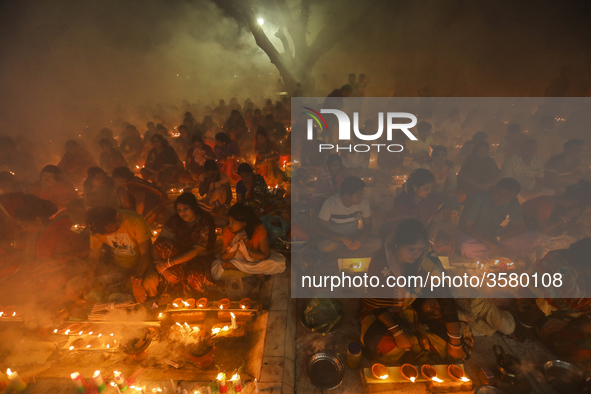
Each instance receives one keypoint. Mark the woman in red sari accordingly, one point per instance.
(267, 160)
(52, 187)
(185, 248)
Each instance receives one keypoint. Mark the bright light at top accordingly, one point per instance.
(261, 21)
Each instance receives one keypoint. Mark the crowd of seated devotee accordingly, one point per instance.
(470, 191)
(177, 209)
(182, 207)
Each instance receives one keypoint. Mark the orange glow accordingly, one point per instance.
(436, 379)
(412, 379)
(383, 377)
(464, 379)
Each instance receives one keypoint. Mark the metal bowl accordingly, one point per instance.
(487, 390)
(325, 370)
(564, 376)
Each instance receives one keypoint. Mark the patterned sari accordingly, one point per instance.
(195, 275)
(429, 339)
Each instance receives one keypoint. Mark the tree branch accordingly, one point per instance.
(286, 48)
(264, 43)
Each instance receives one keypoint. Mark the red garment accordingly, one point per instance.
(60, 194)
(59, 241)
(75, 167)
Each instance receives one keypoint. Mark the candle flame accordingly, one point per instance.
(90, 333)
(116, 373)
(71, 348)
(384, 377)
(221, 306)
(87, 346)
(1, 313)
(235, 377)
(200, 305)
(221, 376)
(225, 328)
(215, 330)
(186, 304)
(108, 346)
(436, 379)
(9, 372)
(13, 314)
(464, 379)
(196, 329)
(175, 305)
(113, 384)
(412, 379)
(75, 375)
(232, 314)
(99, 335)
(96, 374)
(179, 324)
(160, 315)
(111, 334)
(67, 332)
(55, 331)
(80, 333)
(243, 306)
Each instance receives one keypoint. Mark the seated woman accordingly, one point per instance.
(214, 189)
(484, 317)
(418, 202)
(197, 155)
(246, 247)
(267, 159)
(226, 152)
(390, 327)
(446, 183)
(479, 171)
(185, 247)
(57, 253)
(236, 121)
(139, 195)
(553, 215)
(162, 163)
(99, 189)
(52, 187)
(567, 303)
(75, 162)
(111, 158)
(329, 178)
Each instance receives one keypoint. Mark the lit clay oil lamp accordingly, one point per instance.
(224, 303)
(430, 373)
(177, 303)
(76, 344)
(379, 371)
(189, 303)
(245, 303)
(202, 303)
(456, 373)
(409, 372)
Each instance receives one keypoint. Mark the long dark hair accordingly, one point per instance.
(34, 207)
(188, 198)
(418, 178)
(51, 169)
(161, 139)
(409, 232)
(245, 214)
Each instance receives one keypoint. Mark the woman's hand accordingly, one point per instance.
(139, 292)
(161, 266)
(403, 341)
(171, 277)
(456, 353)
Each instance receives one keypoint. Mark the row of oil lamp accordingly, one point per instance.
(410, 373)
(8, 311)
(203, 303)
(122, 385)
(120, 382)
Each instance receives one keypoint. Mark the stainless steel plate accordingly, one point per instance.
(564, 376)
(325, 370)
